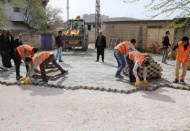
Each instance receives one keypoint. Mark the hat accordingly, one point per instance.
(100, 31)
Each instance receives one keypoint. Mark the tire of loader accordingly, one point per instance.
(85, 47)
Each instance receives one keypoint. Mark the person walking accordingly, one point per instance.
(165, 44)
(5, 49)
(18, 41)
(136, 59)
(119, 52)
(100, 45)
(21, 53)
(59, 45)
(182, 57)
(42, 59)
(12, 47)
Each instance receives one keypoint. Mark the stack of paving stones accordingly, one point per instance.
(154, 70)
(52, 74)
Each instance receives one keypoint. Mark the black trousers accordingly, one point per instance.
(100, 51)
(130, 65)
(18, 61)
(51, 59)
(12, 56)
(5, 59)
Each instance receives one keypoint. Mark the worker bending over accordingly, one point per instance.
(182, 57)
(21, 53)
(42, 59)
(136, 59)
(119, 52)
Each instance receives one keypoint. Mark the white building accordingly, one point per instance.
(14, 17)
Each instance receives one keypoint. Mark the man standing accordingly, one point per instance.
(165, 44)
(12, 47)
(42, 59)
(59, 45)
(18, 41)
(134, 60)
(100, 45)
(21, 53)
(5, 49)
(182, 57)
(119, 52)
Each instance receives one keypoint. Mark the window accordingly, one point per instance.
(89, 27)
(16, 9)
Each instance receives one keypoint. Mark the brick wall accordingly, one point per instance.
(132, 29)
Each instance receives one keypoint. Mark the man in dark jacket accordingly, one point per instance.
(12, 46)
(165, 44)
(100, 45)
(18, 41)
(59, 45)
(4, 49)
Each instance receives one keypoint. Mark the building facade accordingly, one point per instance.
(14, 18)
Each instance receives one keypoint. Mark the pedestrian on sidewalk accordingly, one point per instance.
(59, 45)
(136, 59)
(42, 59)
(100, 45)
(165, 45)
(11, 47)
(20, 54)
(5, 49)
(182, 57)
(119, 52)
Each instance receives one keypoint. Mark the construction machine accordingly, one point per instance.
(75, 35)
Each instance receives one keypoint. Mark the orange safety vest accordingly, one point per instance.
(21, 49)
(43, 55)
(122, 47)
(138, 55)
(182, 55)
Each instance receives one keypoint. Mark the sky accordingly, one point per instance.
(112, 8)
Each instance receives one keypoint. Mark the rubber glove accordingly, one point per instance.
(26, 80)
(169, 54)
(22, 79)
(145, 82)
(137, 82)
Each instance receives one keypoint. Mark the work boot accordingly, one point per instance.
(18, 77)
(119, 77)
(176, 81)
(182, 82)
(65, 72)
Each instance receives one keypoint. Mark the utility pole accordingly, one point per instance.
(67, 9)
(97, 18)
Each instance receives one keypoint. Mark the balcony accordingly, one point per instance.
(17, 17)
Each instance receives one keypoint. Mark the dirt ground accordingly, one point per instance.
(29, 108)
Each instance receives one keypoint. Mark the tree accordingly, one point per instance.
(168, 7)
(2, 14)
(34, 13)
(54, 17)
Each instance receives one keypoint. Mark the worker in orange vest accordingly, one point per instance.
(42, 59)
(182, 57)
(136, 59)
(119, 52)
(21, 53)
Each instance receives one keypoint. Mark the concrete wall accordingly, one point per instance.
(91, 33)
